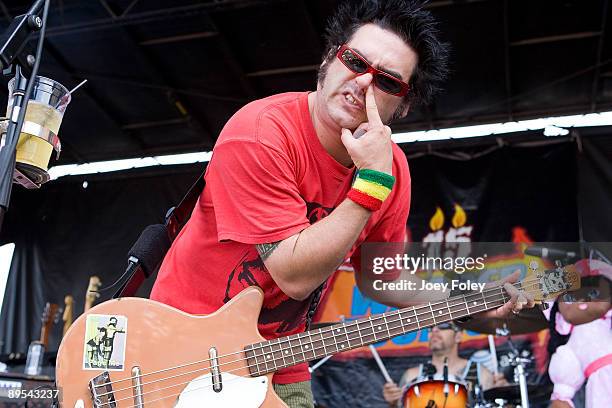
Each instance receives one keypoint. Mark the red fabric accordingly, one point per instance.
(268, 179)
(364, 200)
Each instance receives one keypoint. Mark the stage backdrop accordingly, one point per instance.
(64, 233)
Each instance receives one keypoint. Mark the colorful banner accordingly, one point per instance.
(344, 301)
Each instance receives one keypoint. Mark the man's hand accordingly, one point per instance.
(499, 380)
(518, 299)
(373, 150)
(392, 393)
(489, 380)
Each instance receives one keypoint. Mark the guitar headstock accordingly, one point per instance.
(50, 315)
(549, 284)
(94, 285)
(92, 291)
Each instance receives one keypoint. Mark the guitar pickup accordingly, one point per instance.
(102, 391)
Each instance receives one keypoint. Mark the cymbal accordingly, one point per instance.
(512, 393)
(527, 321)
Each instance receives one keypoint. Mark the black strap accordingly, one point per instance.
(177, 216)
(315, 299)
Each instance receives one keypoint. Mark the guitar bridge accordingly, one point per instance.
(102, 391)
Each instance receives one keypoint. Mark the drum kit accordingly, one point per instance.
(434, 392)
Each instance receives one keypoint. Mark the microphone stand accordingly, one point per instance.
(13, 43)
(519, 364)
(445, 377)
(594, 252)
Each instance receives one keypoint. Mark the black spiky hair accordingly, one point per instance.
(410, 21)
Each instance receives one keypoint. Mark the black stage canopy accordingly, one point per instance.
(164, 76)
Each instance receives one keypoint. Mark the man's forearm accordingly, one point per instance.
(300, 263)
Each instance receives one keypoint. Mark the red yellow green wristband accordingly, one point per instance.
(371, 188)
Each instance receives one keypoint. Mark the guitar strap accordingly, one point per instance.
(315, 299)
(177, 216)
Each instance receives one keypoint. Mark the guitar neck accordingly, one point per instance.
(270, 356)
(88, 304)
(67, 317)
(47, 321)
(44, 336)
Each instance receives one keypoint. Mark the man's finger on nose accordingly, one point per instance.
(371, 108)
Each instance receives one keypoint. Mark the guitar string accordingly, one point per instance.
(494, 289)
(204, 386)
(330, 330)
(209, 385)
(462, 299)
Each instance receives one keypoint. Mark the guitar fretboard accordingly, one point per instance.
(269, 356)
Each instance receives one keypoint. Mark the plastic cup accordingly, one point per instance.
(42, 121)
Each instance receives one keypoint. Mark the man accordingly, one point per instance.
(283, 163)
(109, 339)
(94, 349)
(444, 342)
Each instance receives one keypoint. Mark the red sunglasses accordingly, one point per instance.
(383, 81)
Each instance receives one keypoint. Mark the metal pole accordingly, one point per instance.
(522, 383)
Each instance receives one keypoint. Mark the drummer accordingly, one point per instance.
(444, 342)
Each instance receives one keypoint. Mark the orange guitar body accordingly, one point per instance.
(156, 337)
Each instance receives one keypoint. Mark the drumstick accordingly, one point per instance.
(319, 363)
(383, 370)
(493, 353)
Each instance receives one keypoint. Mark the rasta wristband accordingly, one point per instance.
(371, 188)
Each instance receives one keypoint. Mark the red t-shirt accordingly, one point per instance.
(269, 178)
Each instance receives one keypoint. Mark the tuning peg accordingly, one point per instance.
(58, 314)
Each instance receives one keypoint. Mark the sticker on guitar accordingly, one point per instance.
(104, 344)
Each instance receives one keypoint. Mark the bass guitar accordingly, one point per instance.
(136, 353)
